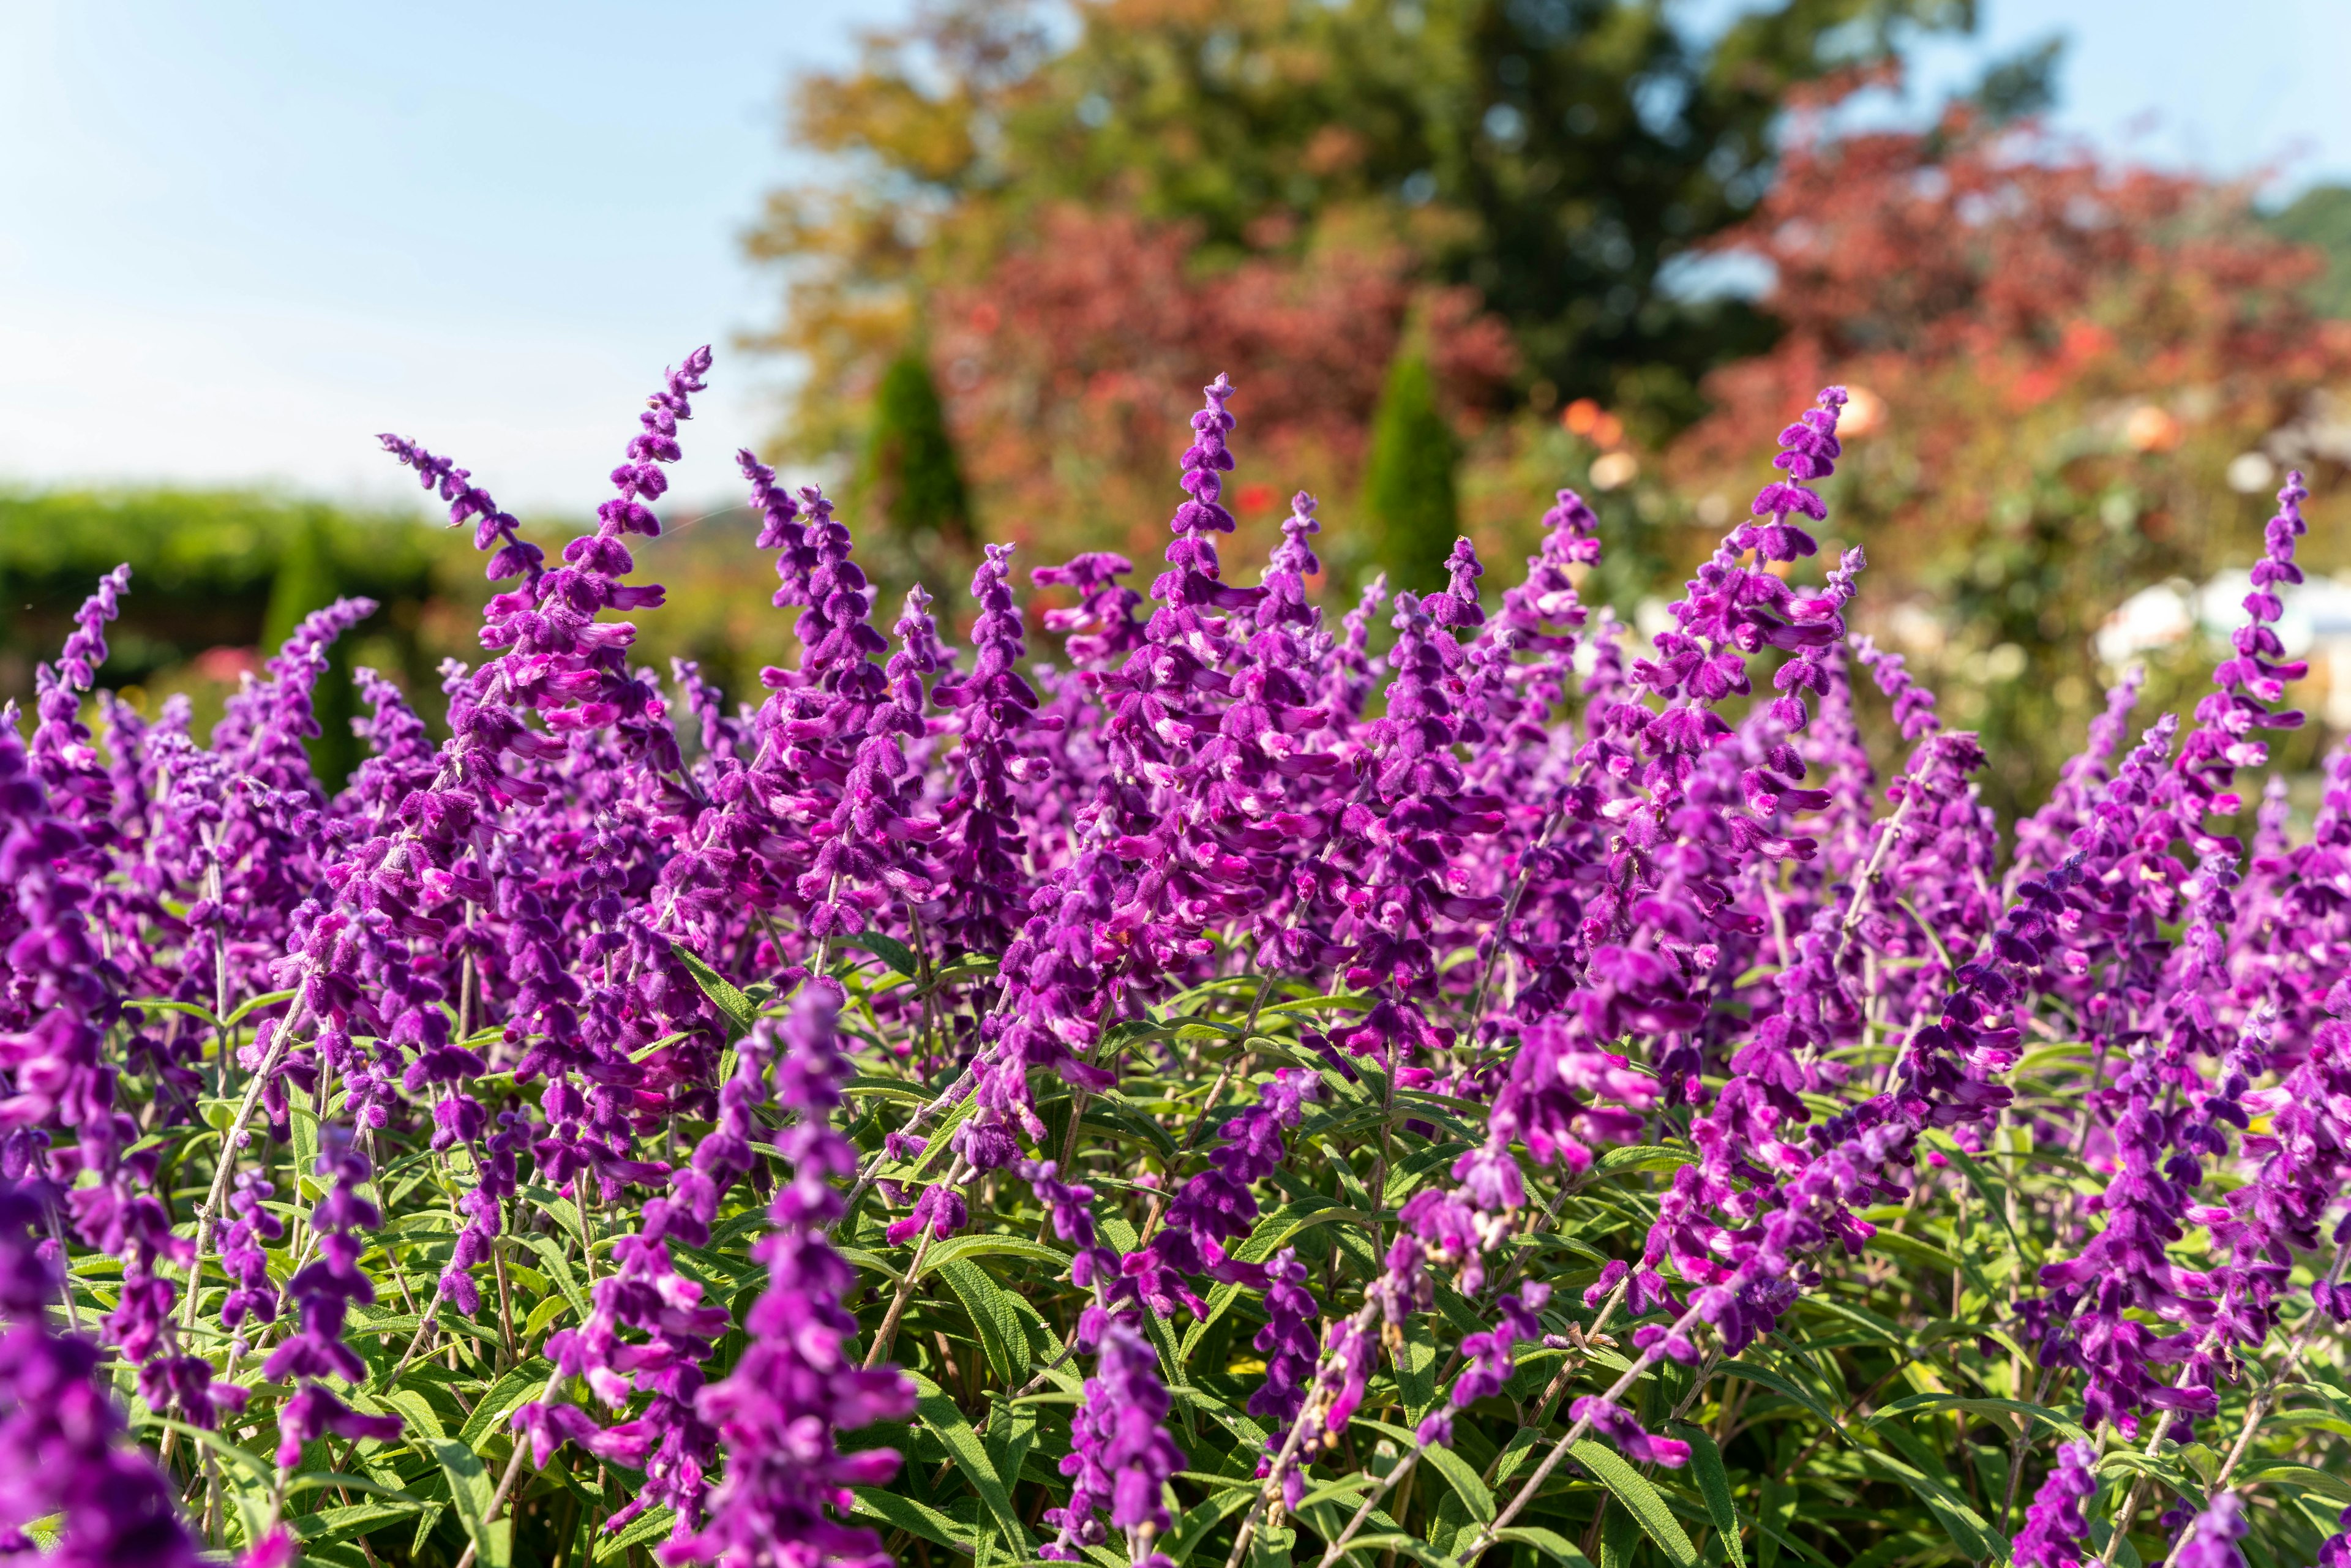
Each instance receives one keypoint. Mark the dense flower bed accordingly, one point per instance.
(1139, 1109)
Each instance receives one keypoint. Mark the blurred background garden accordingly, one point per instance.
(974, 258)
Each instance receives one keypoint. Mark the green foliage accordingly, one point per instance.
(1557, 155)
(2321, 216)
(1408, 484)
(306, 581)
(209, 568)
(908, 497)
(910, 482)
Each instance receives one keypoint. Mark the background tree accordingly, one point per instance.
(306, 581)
(2060, 357)
(1555, 157)
(910, 487)
(1409, 497)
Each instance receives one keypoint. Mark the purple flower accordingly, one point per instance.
(1618, 1426)
(1121, 1456)
(1287, 1340)
(323, 1292)
(798, 1385)
(60, 1432)
(2212, 1538)
(2056, 1534)
(313, 1412)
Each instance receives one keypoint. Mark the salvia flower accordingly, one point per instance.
(2056, 1534)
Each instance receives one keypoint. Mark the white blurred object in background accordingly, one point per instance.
(2316, 625)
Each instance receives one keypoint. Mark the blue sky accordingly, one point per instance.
(242, 237)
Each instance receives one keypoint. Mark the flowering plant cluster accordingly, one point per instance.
(1227, 1087)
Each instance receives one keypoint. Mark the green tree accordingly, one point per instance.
(2321, 216)
(910, 479)
(1560, 155)
(306, 581)
(910, 504)
(1409, 490)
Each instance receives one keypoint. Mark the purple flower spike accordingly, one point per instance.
(468, 502)
(1617, 1424)
(1121, 1456)
(798, 1383)
(60, 1430)
(1809, 451)
(314, 1413)
(2212, 1538)
(2055, 1532)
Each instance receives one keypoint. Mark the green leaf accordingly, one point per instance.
(1551, 1544)
(1463, 1479)
(1917, 1251)
(347, 1522)
(2070, 1431)
(970, 1454)
(305, 1128)
(1641, 1500)
(1641, 1157)
(1766, 1377)
(902, 1512)
(236, 1015)
(559, 1267)
(654, 1522)
(1968, 1529)
(1714, 1485)
(1415, 1369)
(732, 1005)
(2277, 1473)
(314, 1480)
(889, 949)
(1418, 1550)
(162, 1005)
(507, 1395)
(422, 1422)
(1988, 1188)
(546, 1313)
(1452, 1467)
(991, 1310)
(470, 1492)
(1196, 1523)
(1778, 1509)
(957, 1248)
(969, 967)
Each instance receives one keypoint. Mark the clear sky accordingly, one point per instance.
(236, 239)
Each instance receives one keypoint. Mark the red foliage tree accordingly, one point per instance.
(1070, 369)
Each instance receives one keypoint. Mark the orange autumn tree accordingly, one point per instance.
(2059, 355)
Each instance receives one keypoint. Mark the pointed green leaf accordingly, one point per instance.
(237, 1014)
(889, 949)
(647, 1526)
(1714, 1485)
(957, 1248)
(1782, 1386)
(902, 1512)
(1406, 1545)
(991, 1312)
(1454, 1470)
(970, 1454)
(1968, 1529)
(471, 1491)
(162, 1005)
(507, 1395)
(1641, 1500)
(732, 1005)
(1551, 1544)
